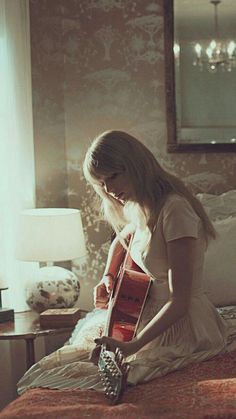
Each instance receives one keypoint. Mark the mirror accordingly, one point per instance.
(200, 64)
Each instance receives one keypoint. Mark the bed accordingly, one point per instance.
(203, 390)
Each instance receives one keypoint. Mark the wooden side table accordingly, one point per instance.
(26, 326)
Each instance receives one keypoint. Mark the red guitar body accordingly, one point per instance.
(128, 299)
(125, 308)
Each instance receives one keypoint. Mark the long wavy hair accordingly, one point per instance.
(117, 151)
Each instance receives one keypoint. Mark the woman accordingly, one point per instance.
(170, 231)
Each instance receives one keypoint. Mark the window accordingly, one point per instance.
(17, 183)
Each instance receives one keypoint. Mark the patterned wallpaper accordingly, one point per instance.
(98, 65)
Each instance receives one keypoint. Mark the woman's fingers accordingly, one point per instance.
(100, 296)
(127, 348)
(101, 304)
(95, 354)
(100, 341)
(102, 292)
(108, 281)
(105, 340)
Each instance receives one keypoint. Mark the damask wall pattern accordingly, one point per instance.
(98, 65)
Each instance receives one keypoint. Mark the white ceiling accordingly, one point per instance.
(186, 9)
(194, 18)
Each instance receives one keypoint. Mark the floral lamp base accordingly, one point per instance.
(54, 287)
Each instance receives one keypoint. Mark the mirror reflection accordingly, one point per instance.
(204, 47)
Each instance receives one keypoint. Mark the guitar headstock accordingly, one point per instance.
(113, 371)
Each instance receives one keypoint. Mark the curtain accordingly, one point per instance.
(17, 179)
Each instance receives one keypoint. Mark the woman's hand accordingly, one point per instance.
(101, 292)
(127, 348)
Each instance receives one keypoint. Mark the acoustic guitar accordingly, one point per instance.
(125, 308)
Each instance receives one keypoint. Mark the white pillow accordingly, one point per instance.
(220, 264)
(219, 206)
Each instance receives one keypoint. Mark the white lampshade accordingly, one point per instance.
(50, 235)
(3, 283)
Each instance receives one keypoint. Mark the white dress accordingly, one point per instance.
(198, 336)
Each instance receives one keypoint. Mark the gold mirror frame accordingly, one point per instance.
(172, 141)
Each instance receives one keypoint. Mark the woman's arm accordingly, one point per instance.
(104, 287)
(180, 273)
(114, 258)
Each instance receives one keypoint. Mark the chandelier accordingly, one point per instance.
(218, 54)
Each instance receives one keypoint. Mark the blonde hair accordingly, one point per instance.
(117, 151)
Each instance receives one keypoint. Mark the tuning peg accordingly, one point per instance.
(119, 357)
(117, 354)
(126, 372)
(117, 351)
(124, 365)
(127, 368)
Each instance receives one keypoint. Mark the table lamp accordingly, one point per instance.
(51, 235)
